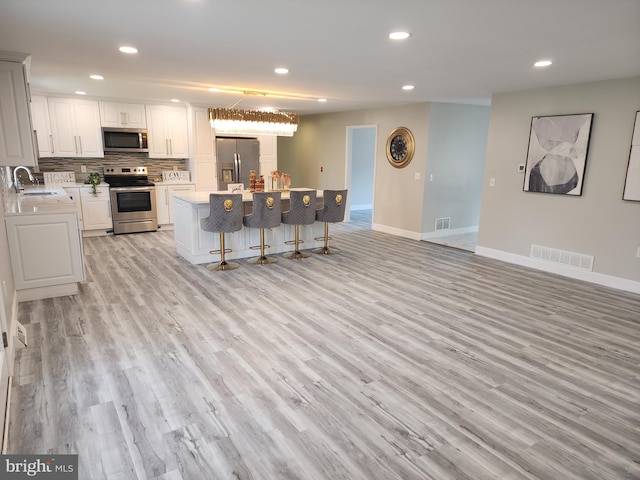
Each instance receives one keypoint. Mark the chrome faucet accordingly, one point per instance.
(16, 183)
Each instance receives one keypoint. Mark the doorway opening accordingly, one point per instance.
(360, 174)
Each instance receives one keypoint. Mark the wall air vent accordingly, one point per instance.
(570, 259)
(443, 223)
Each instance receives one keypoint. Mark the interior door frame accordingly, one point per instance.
(349, 164)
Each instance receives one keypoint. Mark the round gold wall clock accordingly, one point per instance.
(400, 147)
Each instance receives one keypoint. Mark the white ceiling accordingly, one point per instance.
(460, 50)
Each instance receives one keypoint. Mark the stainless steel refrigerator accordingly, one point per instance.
(236, 157)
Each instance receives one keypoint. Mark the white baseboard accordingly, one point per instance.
(448, 232)
(361, 207)
(571, 272)
(395, 231)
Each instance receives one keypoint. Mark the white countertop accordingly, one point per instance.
(203, 197)
(56, 202)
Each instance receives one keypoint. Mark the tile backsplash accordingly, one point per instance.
(155, 166)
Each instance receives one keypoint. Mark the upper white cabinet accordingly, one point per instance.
(203, 148)
(75, 127)
(268, 153)
(16, 134)
(167, 128)
(126, 115)
(42, 126)
(203, 136)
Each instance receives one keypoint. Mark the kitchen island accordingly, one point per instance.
(45, 243)
(194, 244)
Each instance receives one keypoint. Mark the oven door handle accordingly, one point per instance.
(132, 189)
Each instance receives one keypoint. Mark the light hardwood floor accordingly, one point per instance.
(393, 360)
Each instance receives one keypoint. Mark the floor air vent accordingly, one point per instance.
(443, 223)
(571, 259)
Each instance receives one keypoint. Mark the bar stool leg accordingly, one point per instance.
(297, 254)
(223, 265)
(325, 250)
(262, 259)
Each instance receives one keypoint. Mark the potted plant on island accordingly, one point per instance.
(94, 180)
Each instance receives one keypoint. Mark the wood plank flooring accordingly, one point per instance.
(394, 360)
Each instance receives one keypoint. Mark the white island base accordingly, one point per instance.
(194, 244)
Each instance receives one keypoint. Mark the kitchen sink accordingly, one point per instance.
(38, 192)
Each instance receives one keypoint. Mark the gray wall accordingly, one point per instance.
(321, 141)
(597, 223)
(456, 158)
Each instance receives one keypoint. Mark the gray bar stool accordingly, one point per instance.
(225, 216)
(302, 211)
(267, 209)
(332, 211)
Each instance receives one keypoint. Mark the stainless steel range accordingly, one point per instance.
(133, 199)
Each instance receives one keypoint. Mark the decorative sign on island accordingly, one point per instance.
(175, 176)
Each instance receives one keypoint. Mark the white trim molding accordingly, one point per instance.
(559, 269)
(395, 231)
(449, 231)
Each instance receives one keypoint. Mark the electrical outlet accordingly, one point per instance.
(492, 182)
(416, 176)
(83, 168)
(521, 168)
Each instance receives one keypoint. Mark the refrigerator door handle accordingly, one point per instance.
(235, 168)
(239, 168)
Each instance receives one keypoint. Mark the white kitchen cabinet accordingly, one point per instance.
(16, 133)
(167, 128)
(46, 252)
(164, 201)
(205, 174)
(127, 115)
(203, 137)
(74, 195)
(42, 126)
(75, 127)
(203, 147)
(96, 209)
(268, 154)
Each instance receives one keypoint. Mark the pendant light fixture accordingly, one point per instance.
(238, 121)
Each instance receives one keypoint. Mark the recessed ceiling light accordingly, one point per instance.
(79, 92)
(96, 77)
(543, 63)
(128, 49)
(214, 89)
(175, 100)
(408, 87)
(399, 35)
(322, 100)
(281, 70)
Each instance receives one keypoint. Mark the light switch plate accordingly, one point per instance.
(521, 168)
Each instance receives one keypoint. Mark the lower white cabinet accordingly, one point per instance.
(96, 209)
(46, 253)
(164, 202)
(74, 194)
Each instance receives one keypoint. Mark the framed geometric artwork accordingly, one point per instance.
(557, 154)
(632, 180)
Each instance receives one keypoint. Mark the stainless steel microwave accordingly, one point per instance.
(125, 140)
